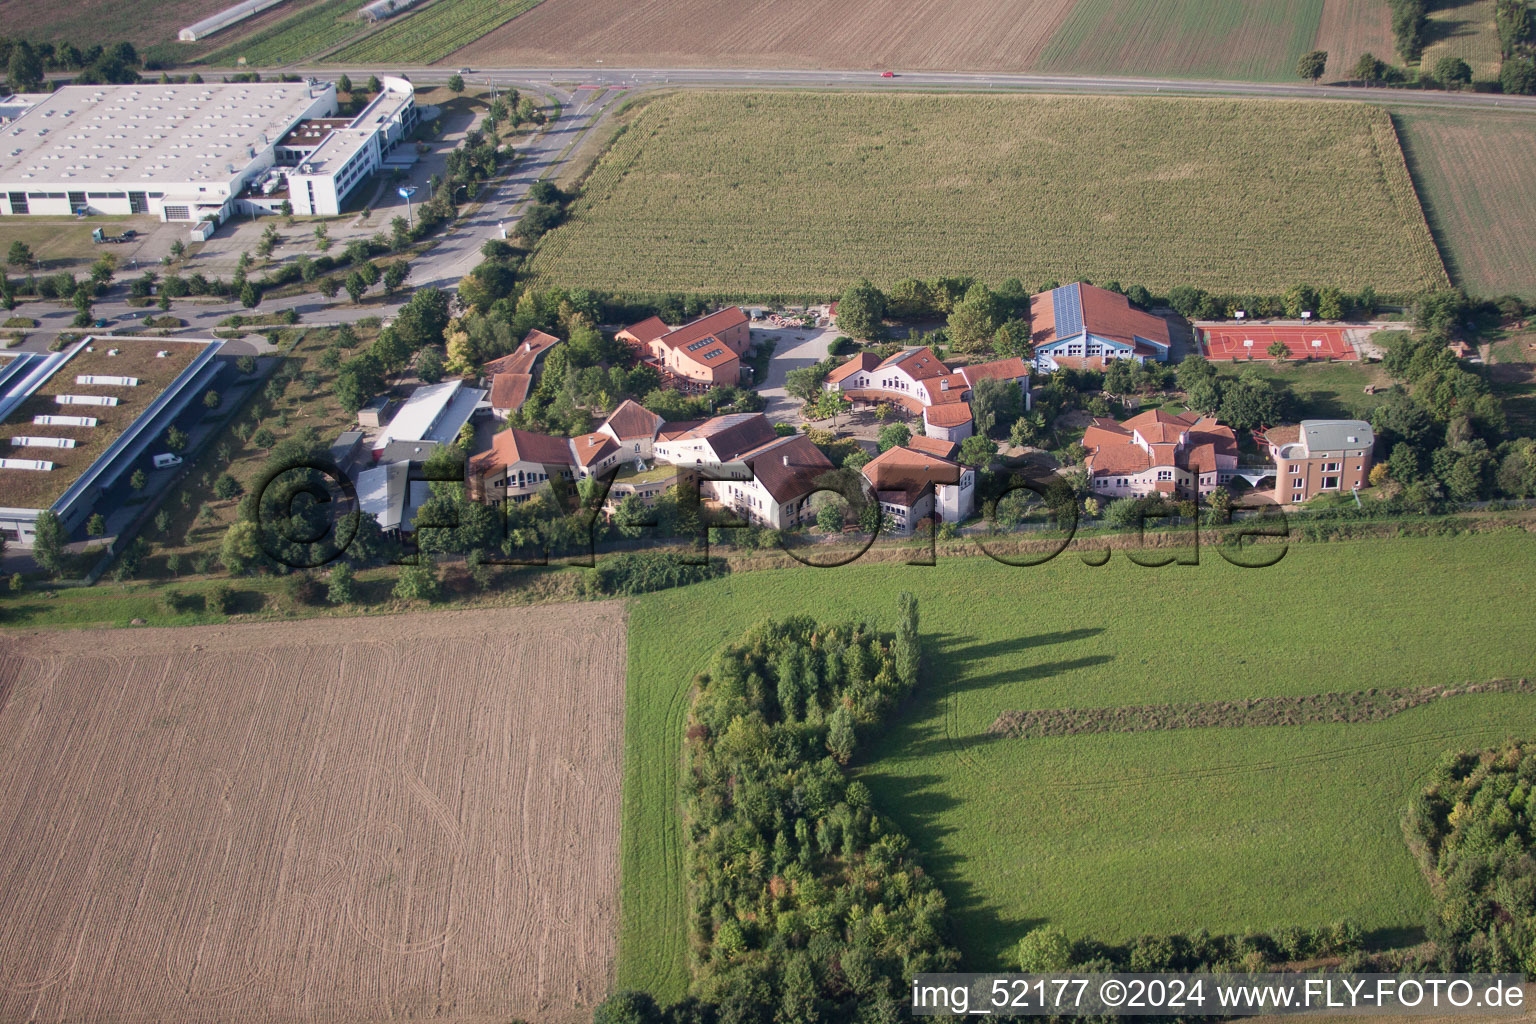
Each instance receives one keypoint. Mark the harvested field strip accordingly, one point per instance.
(1358, 706)
(1149, 190)
(1350, 28)
(433, 32)
(412, 817)
(939, 35)
(1473, 176)
(308, 32)
(1202, 38)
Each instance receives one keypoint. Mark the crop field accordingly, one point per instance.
(1349, 28)
(310, 30)
(1118, 834)
(433, 32)
(406, 817)
(1465, 29)
(984, 35)
(140, 22)
(1196, 38)
(1472, 176)
(704, 193)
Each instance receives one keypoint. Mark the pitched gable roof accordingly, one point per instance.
(917, 363)
(647, 330)
(862, 361)
(510, 447)
(589, 448)
(904, 475)
(936, 446)
(1012, 368)
(729, 436)
(631, 420)
(956, 414)
(510, 390)
(704, 326)
(1096, 310)
(533, 346)
(787, 467)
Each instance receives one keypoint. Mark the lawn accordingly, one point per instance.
(1512, 375)
(60, 243)
(433, 32)
(1322, 390)
(310, 30)
(797, 194)
(1473, 177)
(1113, 835)
(1185, 38)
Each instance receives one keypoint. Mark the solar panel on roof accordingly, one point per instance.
(1068, 305)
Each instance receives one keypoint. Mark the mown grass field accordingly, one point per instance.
(307, 32)
(1114, 835)
(769, 194)
(433, 32)
(1322, 390)
(1473, 176)
(1185, 38)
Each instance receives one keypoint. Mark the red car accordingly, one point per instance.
(887, 74)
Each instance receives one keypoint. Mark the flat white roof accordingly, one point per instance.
(338, 147)
(137, 135)
(434, 413)
(381, 492)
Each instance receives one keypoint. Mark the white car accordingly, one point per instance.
(166, 460)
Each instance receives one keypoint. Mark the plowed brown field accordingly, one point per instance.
(982, 35)
(404, 817)
(1350, 28)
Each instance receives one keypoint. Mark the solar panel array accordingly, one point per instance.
(1067, 302)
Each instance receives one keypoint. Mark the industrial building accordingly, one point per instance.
(197, 152)
(75, 424)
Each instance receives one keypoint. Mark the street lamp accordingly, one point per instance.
(406, 191)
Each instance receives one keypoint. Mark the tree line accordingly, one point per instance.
(805, 904)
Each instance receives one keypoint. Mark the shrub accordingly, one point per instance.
(221, 598)
(641, 572)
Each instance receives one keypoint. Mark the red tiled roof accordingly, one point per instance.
(589, 448)
(1105, 313)
(673, 431)
(730, 436)
(785, 482)
(631, 420)
(952, 415)
(1012, 368)
(647, 330)
(958, 388)
(934, 445)
(1159, 427)
(919, 364)
(905, 475)
(509, 447)
(704, 326)
(534, 345)
(1115, 450)
(862, 361)
(510, 390)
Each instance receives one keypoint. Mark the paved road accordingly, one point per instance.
(573, 87)
(643, 78)
(455, 254)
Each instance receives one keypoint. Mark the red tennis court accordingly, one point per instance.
(1240, 341)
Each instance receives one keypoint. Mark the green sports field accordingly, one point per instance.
(763, 194)
(1114, 835)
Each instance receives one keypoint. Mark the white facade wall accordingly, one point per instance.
(170, 199)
